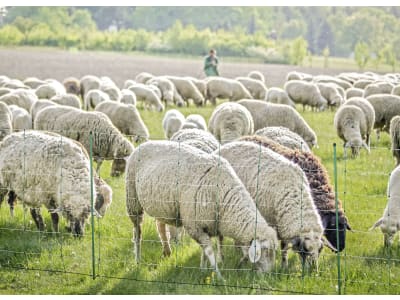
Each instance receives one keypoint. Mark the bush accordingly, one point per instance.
(10, 36)
(298, 51)
(41, 35)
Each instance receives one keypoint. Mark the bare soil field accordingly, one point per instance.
(53, 63)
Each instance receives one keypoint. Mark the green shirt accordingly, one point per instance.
(209, 68)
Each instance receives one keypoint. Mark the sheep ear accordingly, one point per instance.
(255, 251)
(328, 244)
(347, 144)
(96, 213)
(378, 223)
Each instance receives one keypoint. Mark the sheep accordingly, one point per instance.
(21, 119)
(200, 84)
(93, 98)
(49, 163)
(72, 85)
(294, 75)
(284, 136)
(172, 122)
(33, 82)
(15, 84)
(4, 91)
(193, 204)
(351, 126)
(89, 82)
(395, 136)
(143, 77)
(362, 83)
(256, 87)
(225, 88)
(305, 93)
(354, 92)
(67, 99)
(147, 96)
(378, 88)
(195, 121)
(112, 91)
(282, 194)
(126, 118)
(166, 87)
(108, 142)
(21, 97)
(229, 121)
(5, 121)
(389, 223)
(257, 75)
(187, 89)
(269, 114)
(321, 189)
(39, 105)
(369, 114)
(331, 94)
(279, 96)
(386, 106)
(395, 90)
(49, 90)
(198, 138)
(128, 97)
(330, 79)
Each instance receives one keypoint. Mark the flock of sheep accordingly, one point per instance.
(249, 174)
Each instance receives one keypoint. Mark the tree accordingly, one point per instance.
(388, 56)
(326, 53)
(298, 51)
(361, 55)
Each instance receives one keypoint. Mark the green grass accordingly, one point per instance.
(44, 263)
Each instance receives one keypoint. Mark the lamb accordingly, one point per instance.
(279, 96)
(256, 87)
(305, 93)
(48, 162)
(72, 85)
(285, 137)
(89, 82)
(331, 94)
(386, 106)
(172, 122)
(195, 121)
(166, 87)
(194, 206)
(147, 96)
(282, 194)
(49, 90)
(321, 189)
(5, 121)
(39, 105)
(395, 136)
(225, 88)
(21, 119)
(108, 142)
(143, 77)
(93, 98)
(200, 139)
(230, 121)
(67, 99)
(257, 75)
(126, 118)
(369, 113)
(378, 88)
(187, 90)
(354, 92)
(269, 114)
(294, 75)
(389, 223)
(351, 126)
(21, 97)
(128, 97)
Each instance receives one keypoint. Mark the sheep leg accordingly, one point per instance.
(99, 161)
(54, 220)
(284, 247)
(12, 199)
(37, 217)
(205, 242)
(137, 234)
(162, 234)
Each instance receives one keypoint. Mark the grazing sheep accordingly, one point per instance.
(395, 90)
(72, 85)
(269, 114)
(93, 98)
(284, 136)
(330, 79)
(200, 84)
(395, 136)
(294, 75)
(33, 82)
(21, 119)
(126, 118)
(49, 90)
(193, 204)
(256, 87)
(166, 87)
(89, 82)
(279, 96)
(378, 88)
(172, 122)
(354, 92)
(108, 142)
(331, 94)
(128, 97)
(230, 121)
(321, 189)
(225, 88)
(198, 138)
(195, 121)
(305, 93)
(257, 75)
(282, 194)
(146, 95)
(67, 99)
(14, 84)
(390, 221)
(5, 121)
(49, 163)
(386, 106)
(351, 126)
(39, 105)
(21, 97)
(362, 83)
(4, 91)
(143, 77)
(187, 89)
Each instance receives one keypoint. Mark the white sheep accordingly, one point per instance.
(147, 95)
(378, 88)
(331, 79)
(285, 137)
(269, 114)
(395, 137)
(362, 83)
(225, 88)
(390, 221)
(305, 93)
(198, 138)
(93, 97)
(89, 82)
(166, 87)
(39, 105)
(396, 90)
(204, 211)
(5, 121)
(257, 75)
(143, 77)
(4, 91)
(33, 82)
(21, 97)
(294, 75)
(67, 99)
(230, 121)
(49, 90)
(128, 97)
(386, 106)
(331, 94)
(278, 96)
(21, 119)
(195, 121)
(200, 84)
(187, 90)
(172, 122)
(256, 87)
(354, 92)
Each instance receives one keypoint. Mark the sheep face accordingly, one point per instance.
(103, 197)
(123, 149)
(261, 254)
(330, 232)
(389, 231)
(118, 167)
(309, 249)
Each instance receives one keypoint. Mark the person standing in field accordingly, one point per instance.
(211, 64)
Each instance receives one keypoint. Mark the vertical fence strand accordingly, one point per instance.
(337, 218)
(92, 202)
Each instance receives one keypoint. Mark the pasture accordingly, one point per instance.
(45, 263)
